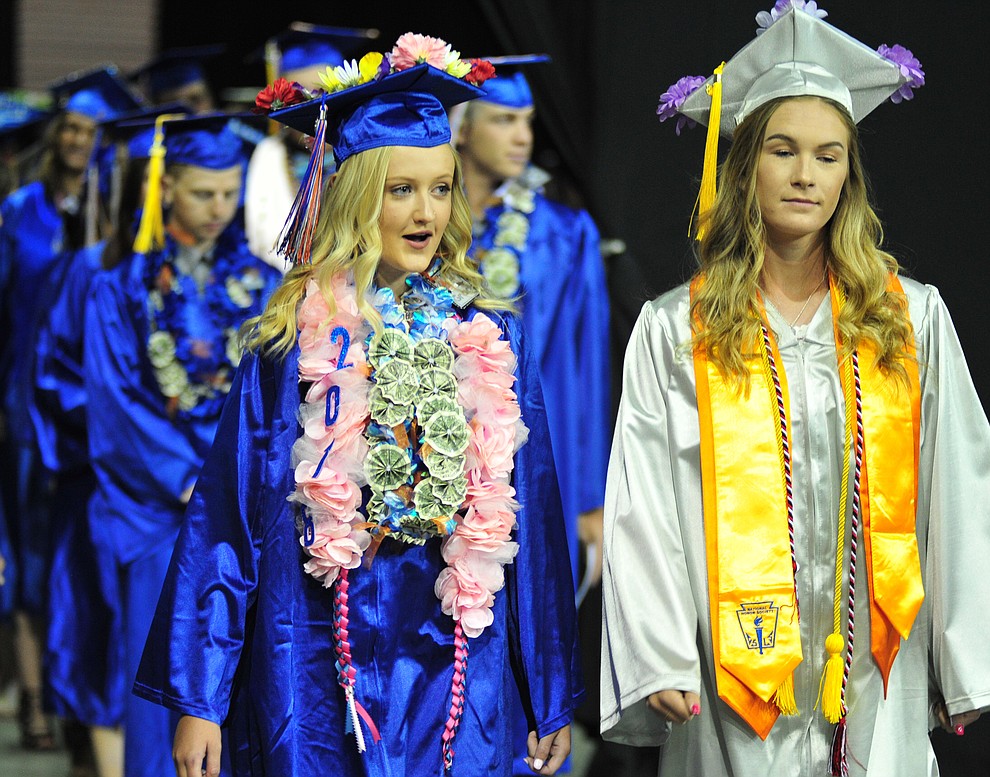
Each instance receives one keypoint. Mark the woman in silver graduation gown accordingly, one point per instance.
(656, 569)
(658, 631)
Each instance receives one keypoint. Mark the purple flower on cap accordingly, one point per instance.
(674, 97)
(766, 18)
(909, 66)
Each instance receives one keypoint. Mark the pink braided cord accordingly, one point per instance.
(458, 691)
(346, 673)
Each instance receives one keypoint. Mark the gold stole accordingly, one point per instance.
(755, 632)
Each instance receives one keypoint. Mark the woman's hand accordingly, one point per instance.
(547, 754)
(955, 724)
(196, 740)
(675, 706)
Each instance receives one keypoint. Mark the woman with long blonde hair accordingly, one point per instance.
(791, 514)
(374, 558)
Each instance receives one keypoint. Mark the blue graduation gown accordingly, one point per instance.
(58, 409)
(243, 636)
(30, 242)
(31, 235)
(144, 461)
(84, 650)
(565, 312)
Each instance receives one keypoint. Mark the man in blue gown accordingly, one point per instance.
(160, 349)
(547, 254)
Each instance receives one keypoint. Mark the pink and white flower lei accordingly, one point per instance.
(329, 460)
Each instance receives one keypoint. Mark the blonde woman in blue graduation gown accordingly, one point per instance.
(372, 566)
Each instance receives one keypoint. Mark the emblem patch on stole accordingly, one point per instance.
(758, 621)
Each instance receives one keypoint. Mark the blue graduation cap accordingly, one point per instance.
(176, 68)
(205, 141)
(510, 87)
(98, 94)
(137, 128)
(302, 45)
(406, 108)
(19, 113)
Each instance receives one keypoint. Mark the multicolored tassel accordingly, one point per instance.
(346, 673)
(295, 241)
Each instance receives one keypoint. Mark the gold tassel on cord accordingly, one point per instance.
(783, 697)
(151, 231)
(830, 689)
(709, 172)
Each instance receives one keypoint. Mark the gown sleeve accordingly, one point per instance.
(542, 618)
(59, 409)
(955, 450)
(132, 440)
(650, 626)
(199, 629)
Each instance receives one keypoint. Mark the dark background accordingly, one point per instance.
(599, 135)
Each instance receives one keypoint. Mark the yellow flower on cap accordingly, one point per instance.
(369, 65)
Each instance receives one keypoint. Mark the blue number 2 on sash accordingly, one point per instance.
(345, 345)
(333, 395)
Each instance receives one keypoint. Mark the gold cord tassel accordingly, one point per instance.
(709, 173)
(783, 697)
(830, 688)
(151, 231)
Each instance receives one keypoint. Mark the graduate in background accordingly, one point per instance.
(179, 76)
(300, 55)
(416, 579)
(796, 512)
(40, 224)
(85, 648)
(546, 256)
(159, 353)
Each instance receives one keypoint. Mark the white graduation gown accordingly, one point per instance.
(656, 626)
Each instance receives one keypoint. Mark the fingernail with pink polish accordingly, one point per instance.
(696, 709)
(960, 730)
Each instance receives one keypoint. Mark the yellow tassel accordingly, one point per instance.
(706, 196)
(151, 231)
(830, 689)
(783, 697)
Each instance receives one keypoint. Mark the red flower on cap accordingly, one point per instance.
(481, 71)
(280, 94)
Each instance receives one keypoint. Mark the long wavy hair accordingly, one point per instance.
(53, 174)
(348, 238)
(731, 255)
